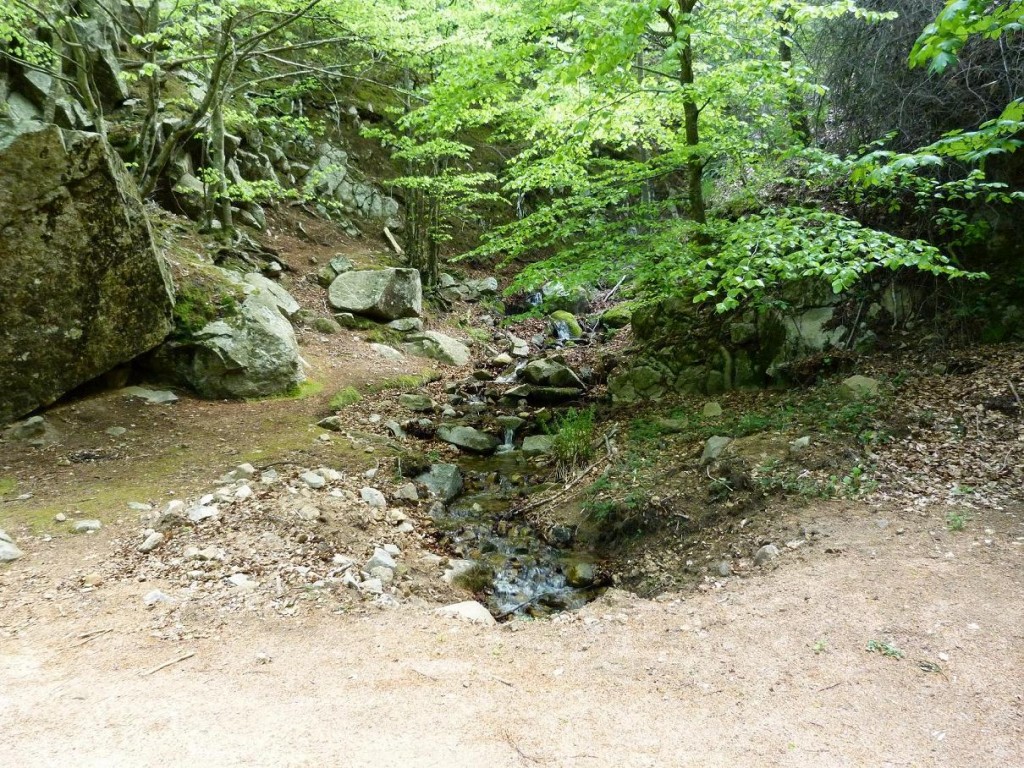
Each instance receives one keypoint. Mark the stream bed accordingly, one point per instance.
(504, 557)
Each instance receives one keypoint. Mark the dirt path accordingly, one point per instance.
(770, 670)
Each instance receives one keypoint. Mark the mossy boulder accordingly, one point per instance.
(82, 288)
(564, 325)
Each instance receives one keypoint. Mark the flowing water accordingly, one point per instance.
(526, 574)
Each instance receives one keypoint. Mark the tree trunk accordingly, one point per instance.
(797, 113)
(691, 118)
(221, 201)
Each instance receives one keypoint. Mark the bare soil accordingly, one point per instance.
(770, 667)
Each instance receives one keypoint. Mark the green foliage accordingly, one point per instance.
(343, 398)
(574, 435)
(956, 520)
(941, 42)
(885, 648)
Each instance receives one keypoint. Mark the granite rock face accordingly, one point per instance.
(82, 288)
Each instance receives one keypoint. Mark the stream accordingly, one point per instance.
(519, 571)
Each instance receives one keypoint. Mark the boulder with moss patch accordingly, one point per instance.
(383, 294)
(83, 287)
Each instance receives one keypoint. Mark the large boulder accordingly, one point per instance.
(438, 346)
(250, 353)
(383, 294)
(82, 288)
(548, 372)
(468, 438)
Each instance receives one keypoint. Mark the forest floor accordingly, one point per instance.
(893, 639)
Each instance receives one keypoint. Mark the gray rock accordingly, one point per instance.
(382, 574)
(115, 431)
(387, 352)
(470, 611)
(711, 410)
(152, 396)
(201, 512)
(313, 480)
(519, 347)
(385, 294)
(252, 353)
(394, 428)
(538, 445)
(372, 587)
(468, 438)
(443, 481)
(29, 429)
(407, 492)
(84, 290)
(243, 581)
(374, 498)
(281, 299)
(243, 472)
(858, 388)
(333, 423)
(438, 346)
(799, 445)
(724, 569)
(486, 286)
(581, 574)
(766, 554)
(152, 541)
(713, 448)
(406, 325)
(380, 558)
(546, 372)
(9, 551)
(416, 402)
(86, 526)
(156, 596)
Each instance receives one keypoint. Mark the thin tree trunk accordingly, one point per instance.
(797, 112)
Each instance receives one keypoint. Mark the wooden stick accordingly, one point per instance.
(393, 241)
(1015, 395)
(85, 637)
(166, 664)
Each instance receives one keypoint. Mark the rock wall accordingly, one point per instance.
(82, 288)
(683, 347)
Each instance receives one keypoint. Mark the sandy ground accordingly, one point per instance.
(768, 670)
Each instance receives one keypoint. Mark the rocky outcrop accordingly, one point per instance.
(682, 347)
(382, 294)
(82, 288)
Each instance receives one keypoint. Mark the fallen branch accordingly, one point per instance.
(611, 293)
(564, 491)
(1015, 395)
(393, 242)
(86, 637)
(166, 664)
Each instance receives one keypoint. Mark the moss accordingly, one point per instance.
(384, 335)
(7, 485)
(324, 325)
(344, 398)
(202, 302)
(307, 388)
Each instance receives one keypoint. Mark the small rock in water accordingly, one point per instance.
(374, 498)
(86, 526)
(766, 554)
(152, 541)
(313, 480)
(469, 610)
